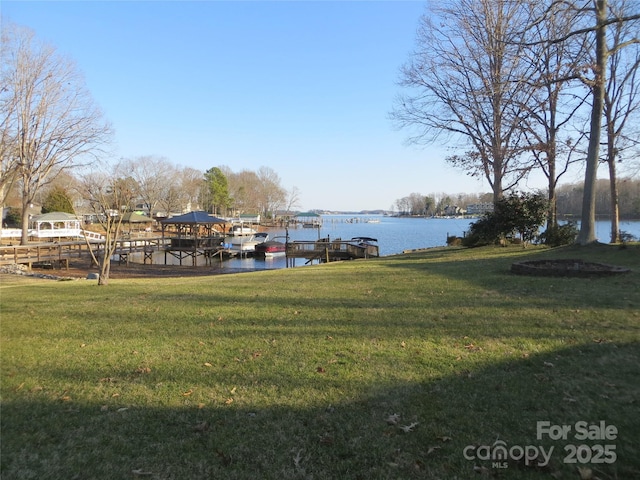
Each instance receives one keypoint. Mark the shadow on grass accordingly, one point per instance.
(55, 435)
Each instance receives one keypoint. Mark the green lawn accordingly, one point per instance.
(316, 372)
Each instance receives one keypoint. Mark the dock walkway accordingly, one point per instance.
(60, 253)
(325, 250)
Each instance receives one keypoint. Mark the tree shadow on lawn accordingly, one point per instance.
(493, 271)
(53, 435)
(490, 274)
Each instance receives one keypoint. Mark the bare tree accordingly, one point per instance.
(556, 103)
(54, 122)
(108, 192)
(182, 194)
(153, 176)
(597, 87)
(621, 104)
(272, 194)
(8, 106)
(244, 190)
(466, 80)
(292, 200)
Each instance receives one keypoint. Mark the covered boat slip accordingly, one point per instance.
(193, 235)
(326, 250)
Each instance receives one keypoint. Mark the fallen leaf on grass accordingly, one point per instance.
(432, 449)
(297, 459)
(549, 364)
(585, 473)
(187, 393)
(207, 364)
(228, 401)
(408, 428)
(482, 470)
(393, 419)
(141, 472)
(444, 438)
(143, 370)
(320, 370)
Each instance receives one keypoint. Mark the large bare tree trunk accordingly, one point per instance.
(587, 233)
(615, 203)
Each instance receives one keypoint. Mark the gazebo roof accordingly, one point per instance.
(55, 217)
(194, 218)
(133, 217)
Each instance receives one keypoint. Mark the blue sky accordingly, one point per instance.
(302, 87)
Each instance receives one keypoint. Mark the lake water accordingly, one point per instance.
(394, 235)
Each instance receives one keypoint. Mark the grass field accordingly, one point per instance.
(395, 368)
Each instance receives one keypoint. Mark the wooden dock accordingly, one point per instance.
(50, 253)
(325, 250)
(60, 253)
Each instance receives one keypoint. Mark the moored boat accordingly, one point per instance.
(271, 248)
(241, 230)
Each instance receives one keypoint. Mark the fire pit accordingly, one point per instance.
(566, 268)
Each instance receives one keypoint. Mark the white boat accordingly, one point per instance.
(241, 230)
(243, 245)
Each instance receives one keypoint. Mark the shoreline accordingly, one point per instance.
(80, 271)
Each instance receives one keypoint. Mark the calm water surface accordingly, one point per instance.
(394, 235)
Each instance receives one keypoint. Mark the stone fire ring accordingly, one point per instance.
(566, 268)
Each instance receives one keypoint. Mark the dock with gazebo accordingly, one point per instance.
(193, 235)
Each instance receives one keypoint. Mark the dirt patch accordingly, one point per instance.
(566, 268)
(81, 269)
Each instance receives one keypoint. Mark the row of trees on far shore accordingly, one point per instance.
(569, 203)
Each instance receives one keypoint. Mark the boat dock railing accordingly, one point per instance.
(326, 250)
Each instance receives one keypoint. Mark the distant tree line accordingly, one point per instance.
(569, 203)
(417, 204)
(570, 199)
